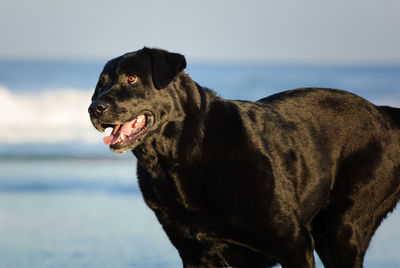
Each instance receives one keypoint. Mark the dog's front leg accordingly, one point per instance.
(300, 252)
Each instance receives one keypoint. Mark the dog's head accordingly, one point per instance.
(128, 95)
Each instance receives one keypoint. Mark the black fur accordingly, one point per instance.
(252, 184)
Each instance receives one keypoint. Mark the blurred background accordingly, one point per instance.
(65, 200)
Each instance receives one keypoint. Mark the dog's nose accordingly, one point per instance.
(97, 108)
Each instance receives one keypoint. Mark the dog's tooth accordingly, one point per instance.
(122, 136)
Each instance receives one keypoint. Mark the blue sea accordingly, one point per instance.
(67, 201)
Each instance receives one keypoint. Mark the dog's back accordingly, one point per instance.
(393, 113)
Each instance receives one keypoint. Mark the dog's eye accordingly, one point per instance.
(132, 79)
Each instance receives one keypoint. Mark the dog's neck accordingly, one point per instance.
(194, 95)
(178, 137)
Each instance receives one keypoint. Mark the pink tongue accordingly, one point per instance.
(126, 129)
(117, 132)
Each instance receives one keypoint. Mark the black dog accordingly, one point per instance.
(252, 184)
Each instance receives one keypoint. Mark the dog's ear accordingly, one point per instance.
(165, 66)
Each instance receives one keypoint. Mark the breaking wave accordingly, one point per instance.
(48, 116)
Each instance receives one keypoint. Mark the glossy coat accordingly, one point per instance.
(252, 184)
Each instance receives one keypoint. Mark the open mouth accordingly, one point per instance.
(128, 133)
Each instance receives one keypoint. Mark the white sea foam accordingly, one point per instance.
(49, 116)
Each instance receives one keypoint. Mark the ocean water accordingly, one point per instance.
(67, 201)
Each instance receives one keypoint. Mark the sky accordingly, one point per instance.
(307, 31)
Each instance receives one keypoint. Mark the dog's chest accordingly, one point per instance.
(204, 189)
